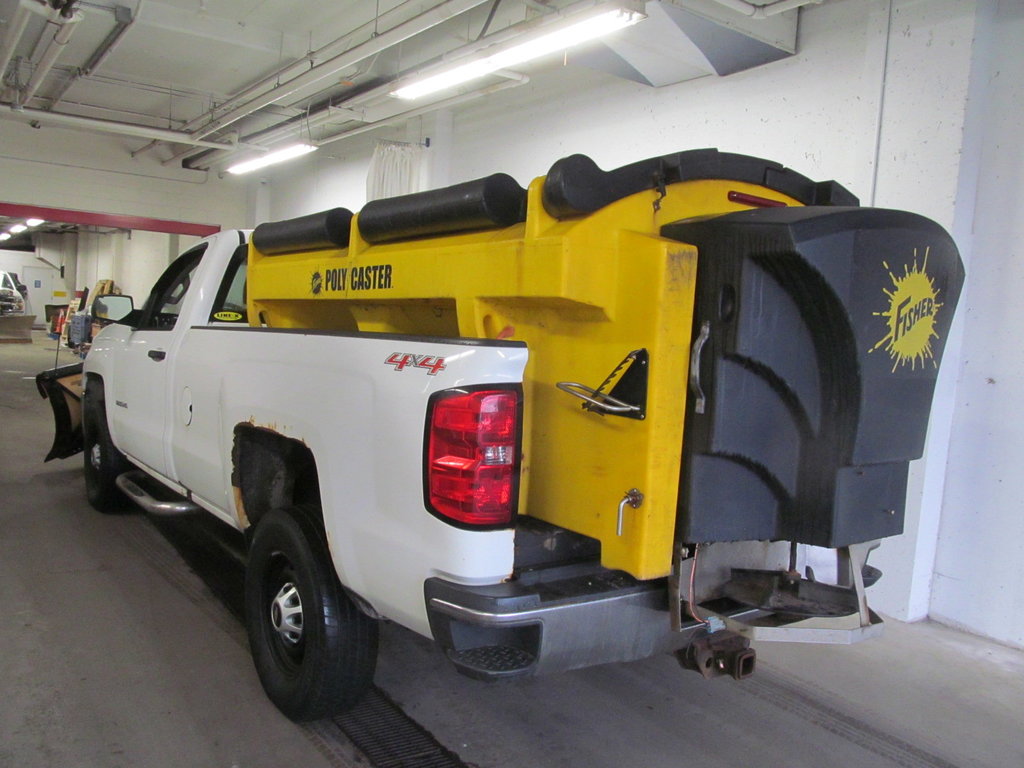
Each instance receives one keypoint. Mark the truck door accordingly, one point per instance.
(198, 450)
(141, 403)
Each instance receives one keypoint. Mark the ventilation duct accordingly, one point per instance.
(676, 43)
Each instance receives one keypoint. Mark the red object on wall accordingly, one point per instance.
(89, 218)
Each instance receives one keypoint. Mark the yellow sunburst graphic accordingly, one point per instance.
(913, 306)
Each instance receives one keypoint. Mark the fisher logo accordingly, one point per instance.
(316, 284)
(913, 306)
(403, 360)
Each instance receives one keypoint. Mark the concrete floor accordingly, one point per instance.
(114, 652)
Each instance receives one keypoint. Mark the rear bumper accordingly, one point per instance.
(579, 617)
(557, 619)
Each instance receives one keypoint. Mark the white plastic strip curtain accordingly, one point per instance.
(395, 169)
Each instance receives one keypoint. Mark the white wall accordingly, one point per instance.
(143, 258)
(94, 172)
(66, 169)
(882, 96)
(332, 177)
(929, 59)
(57, 252)
(15, 261)
(134, 260)
(95, 260)
(335, 175)
(29, 268)
(979, 572)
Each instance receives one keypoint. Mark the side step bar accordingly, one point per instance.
(133, 484)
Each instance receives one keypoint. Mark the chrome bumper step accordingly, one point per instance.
(136, 485)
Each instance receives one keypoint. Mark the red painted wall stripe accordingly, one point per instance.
(88, 218)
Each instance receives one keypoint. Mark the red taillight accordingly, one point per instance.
(472, 456)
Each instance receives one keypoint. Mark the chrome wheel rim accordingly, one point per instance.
(286, 614)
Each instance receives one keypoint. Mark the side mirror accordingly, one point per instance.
(112, 309)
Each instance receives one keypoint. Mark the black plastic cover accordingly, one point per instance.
(488, 203)
(67, 410)
(315, 232)
(827, 327)
(575, 185)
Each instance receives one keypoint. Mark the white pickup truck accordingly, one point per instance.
(390, 406)
(180, 394)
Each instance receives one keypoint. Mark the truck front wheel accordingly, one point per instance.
(314, 650)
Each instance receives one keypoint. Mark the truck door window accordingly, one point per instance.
(163, 306)
(230, 305)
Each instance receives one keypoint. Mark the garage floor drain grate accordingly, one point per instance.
(390, 739)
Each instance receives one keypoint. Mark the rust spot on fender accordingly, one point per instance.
(243, 519)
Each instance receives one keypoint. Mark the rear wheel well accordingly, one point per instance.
(271, 471)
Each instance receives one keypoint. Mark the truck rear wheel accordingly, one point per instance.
(103, 462)
(314, 650)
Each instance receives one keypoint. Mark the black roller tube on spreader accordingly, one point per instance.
(487, 203)
(317, 231)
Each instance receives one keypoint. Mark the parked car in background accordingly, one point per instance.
(12, 294)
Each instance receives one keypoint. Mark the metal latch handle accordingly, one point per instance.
(606, 402)
(634, 499)
(698, 347)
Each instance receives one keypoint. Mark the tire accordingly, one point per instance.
(314, 650)
(103, 462)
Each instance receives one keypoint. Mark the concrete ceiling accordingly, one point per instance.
(206, 82)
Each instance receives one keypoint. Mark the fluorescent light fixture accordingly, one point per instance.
(5, 236)
(35, 222)
(541, 44)
(296, 150)
(17, 228)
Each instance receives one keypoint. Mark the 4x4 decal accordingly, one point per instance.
(403, 360)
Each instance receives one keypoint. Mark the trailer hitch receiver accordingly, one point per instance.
(719, 653)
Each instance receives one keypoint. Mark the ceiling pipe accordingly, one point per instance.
(62, 120)
(50, 56)
(210, 123)
(408, 114)
(453, 101)
(271, 135)
(15, 29)
(302, 65)
(766, 11)
(427, 20)
(123, 18)
(287, 71)
(291, 128)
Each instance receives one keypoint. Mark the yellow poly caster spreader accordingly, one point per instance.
(587, 422)
(720, 348)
